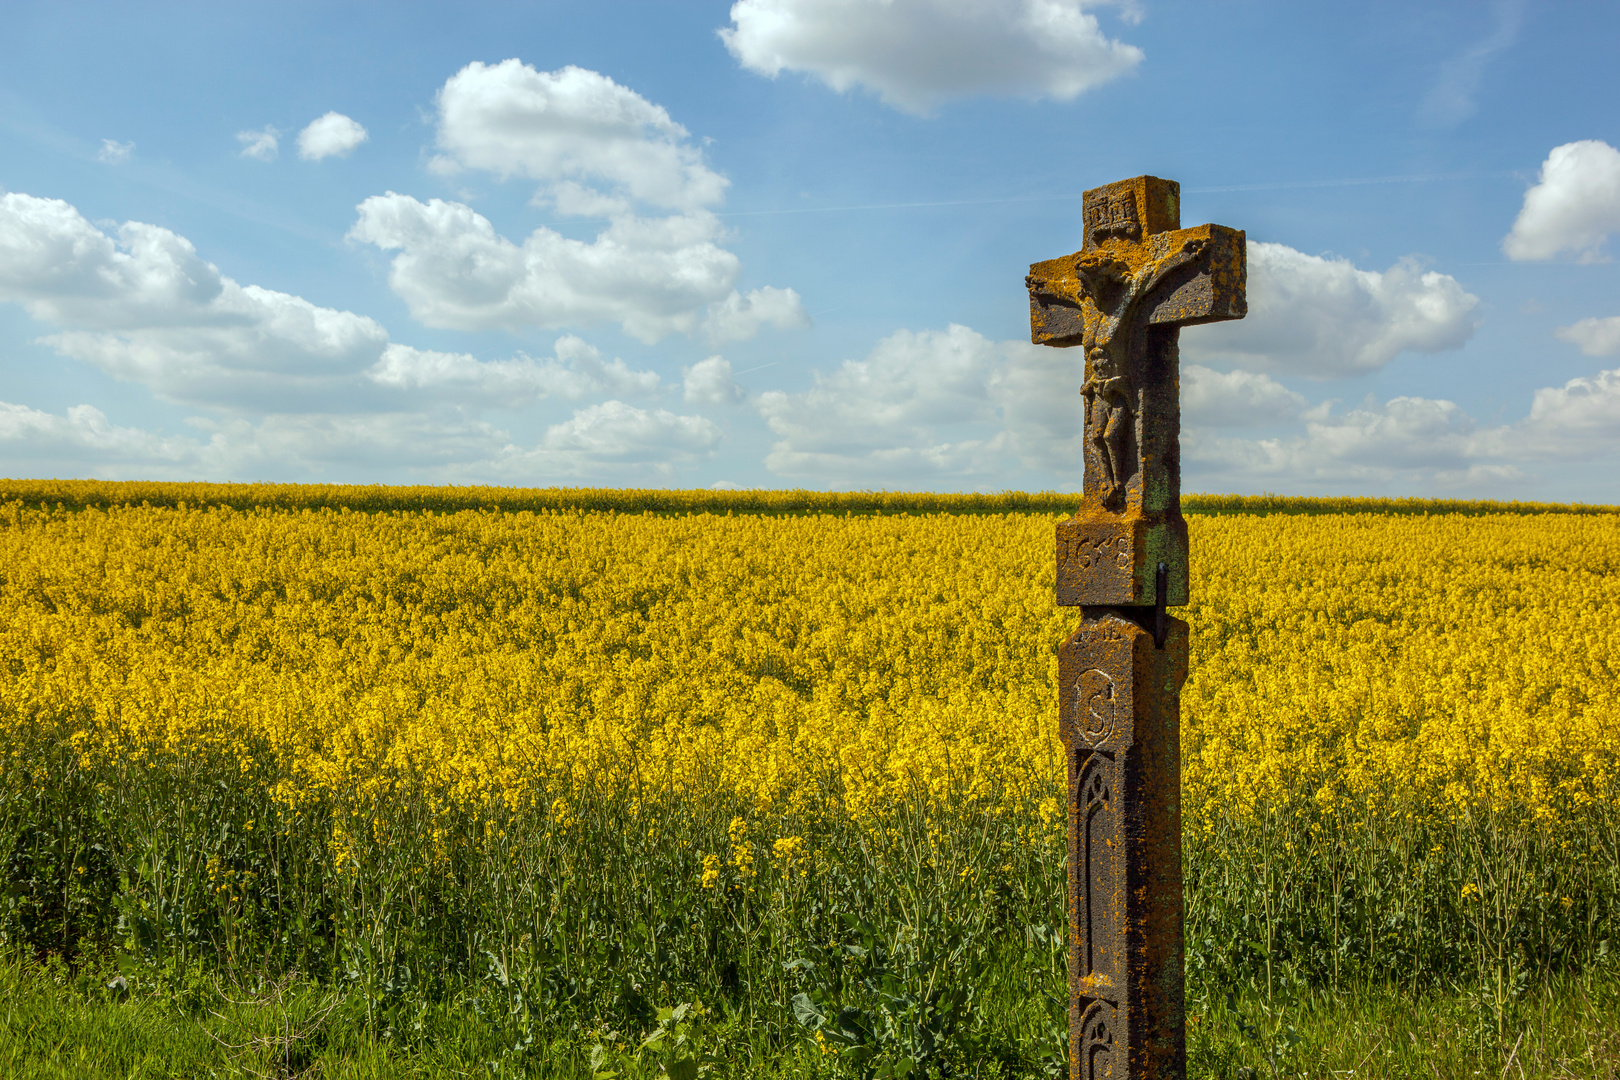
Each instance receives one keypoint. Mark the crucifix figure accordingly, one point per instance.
(1122, 559)
(1115, 288)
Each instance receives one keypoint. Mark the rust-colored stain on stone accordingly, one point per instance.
(1123, 297)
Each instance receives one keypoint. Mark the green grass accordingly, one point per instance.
(1564, 1028)
(1391, 944)
(58, 1025)
(1315, 946)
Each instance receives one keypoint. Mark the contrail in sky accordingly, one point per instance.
(1282, 185)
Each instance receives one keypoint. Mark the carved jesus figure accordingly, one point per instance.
(1108, 421)
(1115, 292)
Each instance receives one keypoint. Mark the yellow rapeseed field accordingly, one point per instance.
(1454, 660)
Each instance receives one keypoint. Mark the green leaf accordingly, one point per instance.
(806, 1013)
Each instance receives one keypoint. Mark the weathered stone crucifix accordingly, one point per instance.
(1122, 559)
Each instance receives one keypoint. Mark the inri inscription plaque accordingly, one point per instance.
(1122, 559)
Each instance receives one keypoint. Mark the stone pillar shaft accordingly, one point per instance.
(1119, 718)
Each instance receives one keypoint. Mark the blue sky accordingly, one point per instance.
(782, 243)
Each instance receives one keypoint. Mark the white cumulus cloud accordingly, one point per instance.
(654, 276)
(281, 353)
(738, 318)
(575, 369)
(332, 135)
(947, 406)
(611, 438)
(1580, 419)
(85, 436)
(146, 307)
(421, 444)
(915, 54)
(65, 270)
(1326, 319)
(568, 128)
(1573, 207)
(1596, 337)
(927, 404)
(289, 387)
(261, 145)
(142, 305)
(593, 147)
(1235, 398)
(1420, 442)
(709, 382)
(907, 384)
(1405, 439)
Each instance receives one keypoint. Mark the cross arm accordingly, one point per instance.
(1204, 279)
(1210, 288)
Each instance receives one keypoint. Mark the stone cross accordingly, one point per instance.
(1122, 558)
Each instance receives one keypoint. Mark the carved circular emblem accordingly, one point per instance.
(1097, 697)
